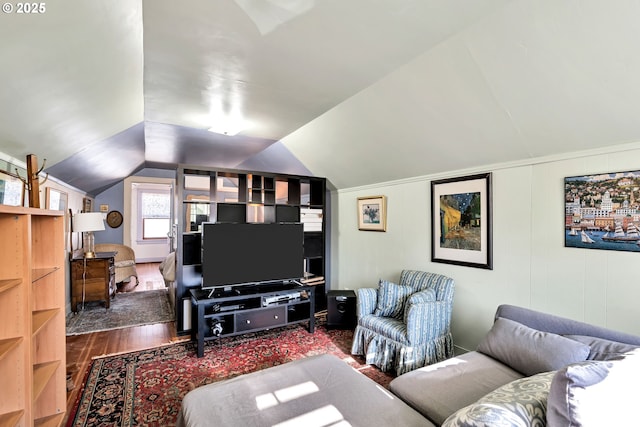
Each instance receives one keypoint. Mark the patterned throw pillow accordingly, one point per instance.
(522, 402)
(426, 295)
(391, 299)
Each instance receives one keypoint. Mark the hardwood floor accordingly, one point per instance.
(149, 278)
(81, 349)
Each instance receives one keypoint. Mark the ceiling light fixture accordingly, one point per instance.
(229, 128)
(226, 118)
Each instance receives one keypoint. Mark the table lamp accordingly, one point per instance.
(87, 223)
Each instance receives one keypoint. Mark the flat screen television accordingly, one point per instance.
(236, 253)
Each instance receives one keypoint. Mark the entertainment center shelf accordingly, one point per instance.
(242, 309)
(228, 196)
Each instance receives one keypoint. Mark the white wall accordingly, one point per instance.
(531, 266)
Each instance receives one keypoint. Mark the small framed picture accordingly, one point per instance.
(461, 223)
(372, 213)
(87, 204)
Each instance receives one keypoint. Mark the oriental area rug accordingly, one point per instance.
(145, 388)
(125, 310)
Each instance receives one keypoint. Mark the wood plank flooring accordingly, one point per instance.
(81, 349)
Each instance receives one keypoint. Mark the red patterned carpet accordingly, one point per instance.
(145, 388)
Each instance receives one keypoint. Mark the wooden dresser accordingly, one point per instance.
(93, 279)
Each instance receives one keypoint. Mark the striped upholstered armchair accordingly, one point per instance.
(405, 326)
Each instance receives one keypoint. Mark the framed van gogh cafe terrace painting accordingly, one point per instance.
(602, 211)
(461, 223)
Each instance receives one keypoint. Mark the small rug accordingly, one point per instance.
(126, 310)
(145, 388)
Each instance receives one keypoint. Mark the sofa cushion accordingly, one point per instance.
(522, 402)
(595, 393)
(439, 390)
(313, 391)
(602, 349)
(391, 299)
(528, 350)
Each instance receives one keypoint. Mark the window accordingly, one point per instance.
(155, 211)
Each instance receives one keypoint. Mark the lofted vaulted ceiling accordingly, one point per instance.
(359, 91)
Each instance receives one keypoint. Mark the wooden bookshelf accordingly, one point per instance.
(8, 284)
(32, 324)
(50, 421)
(42, 374)
(11, 418)
(40, 319)
(7, 345)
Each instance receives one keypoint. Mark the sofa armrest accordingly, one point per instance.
(366, 301)
(427, 320)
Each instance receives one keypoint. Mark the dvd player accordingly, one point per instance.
(275, 299)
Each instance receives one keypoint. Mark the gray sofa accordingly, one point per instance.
(531, 369)
(525, 372)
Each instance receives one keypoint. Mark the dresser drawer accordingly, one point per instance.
(258, 319)
(94, 269)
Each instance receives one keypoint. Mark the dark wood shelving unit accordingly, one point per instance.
(237, 196)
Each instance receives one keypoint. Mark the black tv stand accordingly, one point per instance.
(220, 313)
(216, 292)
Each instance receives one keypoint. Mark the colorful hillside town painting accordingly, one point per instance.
(603, 211)
(461, 221)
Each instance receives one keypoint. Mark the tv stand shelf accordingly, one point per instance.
(249, 308)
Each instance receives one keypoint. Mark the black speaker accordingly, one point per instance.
(341, 309)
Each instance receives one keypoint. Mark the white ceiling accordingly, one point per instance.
(359, 91)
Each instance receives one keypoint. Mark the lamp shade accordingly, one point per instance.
(88, 221)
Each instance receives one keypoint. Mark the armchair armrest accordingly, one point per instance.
(427, 320)
(366, 301)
